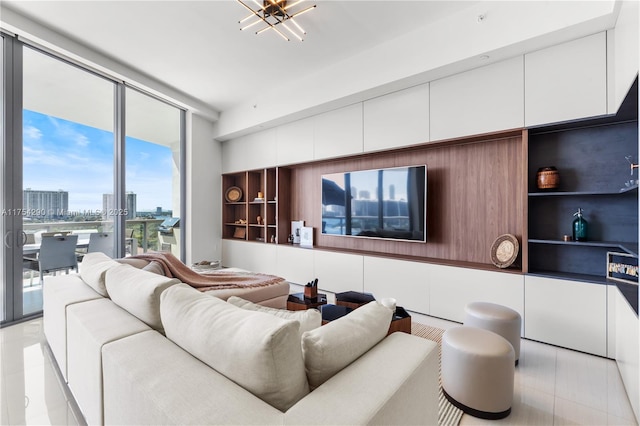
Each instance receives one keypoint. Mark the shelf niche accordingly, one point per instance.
(594, 175)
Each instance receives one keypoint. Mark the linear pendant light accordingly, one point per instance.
(276, 15)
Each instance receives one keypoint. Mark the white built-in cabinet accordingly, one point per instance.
(437, 290)
(565, 313)
(397, 119)
(627, 350)
(251, 152)
(295, 142)
(258, 257)
(295, 264)
(452, 288)
(483, 100)
(612, 291)
(338, 272)
(407, 282)
(567, 81)
(338, 133)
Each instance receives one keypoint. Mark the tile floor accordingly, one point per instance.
(553, 386)
(556, 386)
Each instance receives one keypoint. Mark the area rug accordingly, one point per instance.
(448, 414)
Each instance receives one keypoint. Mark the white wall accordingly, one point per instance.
(204, 168)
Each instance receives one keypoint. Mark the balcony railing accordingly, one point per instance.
(143, 231)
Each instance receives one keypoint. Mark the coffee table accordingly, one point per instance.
(297, 301)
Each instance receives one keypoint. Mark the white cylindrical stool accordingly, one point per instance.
(477, 370)
(497, 318)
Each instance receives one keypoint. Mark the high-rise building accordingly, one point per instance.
(108, 206)
(45, 204)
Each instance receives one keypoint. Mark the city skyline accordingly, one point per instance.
(63, 155)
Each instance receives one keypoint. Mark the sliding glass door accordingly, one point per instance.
(153, 164)
(82, 155)
(67, 160)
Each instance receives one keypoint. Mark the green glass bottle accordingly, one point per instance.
(579, 227)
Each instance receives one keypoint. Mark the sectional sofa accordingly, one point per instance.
(137, 347)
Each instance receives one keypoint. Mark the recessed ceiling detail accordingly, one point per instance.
(276, 15)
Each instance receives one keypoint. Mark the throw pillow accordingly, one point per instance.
(330, 348)
(308, 319)
(93, 269)
(138, 292)
(258, 351)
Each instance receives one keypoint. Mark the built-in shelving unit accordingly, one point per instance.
(253, 218)
(595, 176)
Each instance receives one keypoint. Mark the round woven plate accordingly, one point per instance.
(504, 250)
(233, 194)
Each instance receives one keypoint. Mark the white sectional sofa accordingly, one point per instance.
(219, 363)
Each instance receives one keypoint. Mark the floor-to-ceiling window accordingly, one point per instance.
(82, 154)
(67, 159)
(153, 158)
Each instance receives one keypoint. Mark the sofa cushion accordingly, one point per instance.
(308, 319)
(330, 348)
(93, 269)
(138, 292)
(258, 351)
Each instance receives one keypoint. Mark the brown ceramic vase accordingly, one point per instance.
(548, 178)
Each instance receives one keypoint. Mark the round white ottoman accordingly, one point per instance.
(497, 318)
(477, 370)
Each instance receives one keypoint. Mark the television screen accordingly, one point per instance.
(382, 203)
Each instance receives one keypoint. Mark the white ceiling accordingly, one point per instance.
(197, 48)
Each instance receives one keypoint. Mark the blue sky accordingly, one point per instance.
(59, 154)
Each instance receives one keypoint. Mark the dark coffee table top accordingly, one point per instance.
(333, 312)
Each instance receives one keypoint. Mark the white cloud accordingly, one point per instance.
(82, 140)
(31, 132)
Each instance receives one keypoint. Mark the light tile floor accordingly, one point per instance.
(553, 386)
(556, 386)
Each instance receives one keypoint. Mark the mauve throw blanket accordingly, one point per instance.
(214, 280)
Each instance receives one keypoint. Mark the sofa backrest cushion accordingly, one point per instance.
(309, 319)
(332, 347)
(93, 269)
(258, 351)
(138, 292)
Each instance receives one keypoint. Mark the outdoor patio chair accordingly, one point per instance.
(57, 253)
(101, 241)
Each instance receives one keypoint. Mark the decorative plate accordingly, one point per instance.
(504, 250)
(233, 194)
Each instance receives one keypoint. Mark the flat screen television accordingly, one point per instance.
(380, 203)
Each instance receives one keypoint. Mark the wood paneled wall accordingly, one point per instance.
(476, 191)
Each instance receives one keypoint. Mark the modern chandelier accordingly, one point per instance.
(276, 15)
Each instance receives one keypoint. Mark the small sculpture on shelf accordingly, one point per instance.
(241, 221)
(259, 220)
